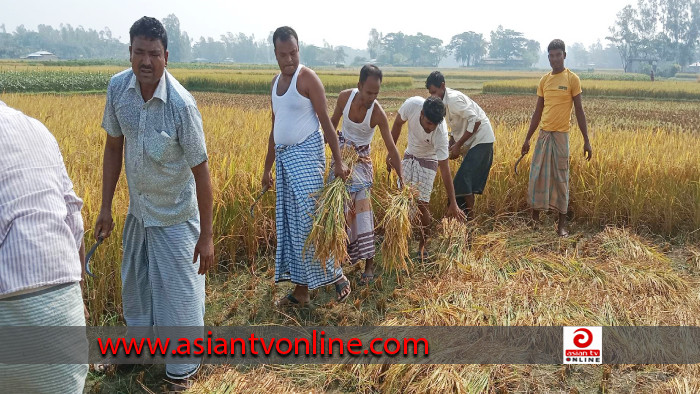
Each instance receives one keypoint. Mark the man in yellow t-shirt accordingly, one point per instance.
(557, 93)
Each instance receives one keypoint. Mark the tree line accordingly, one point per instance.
(657, 31)
(653, 31)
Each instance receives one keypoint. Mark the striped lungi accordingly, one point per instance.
(419, 173)
(160, 285)
(360, 216)
(60, 305)
(300, 169)
(548, 187)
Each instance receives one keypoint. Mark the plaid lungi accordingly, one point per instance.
(360, 216)
(299, 170)
(160, 284)
(60, 305)
(548, 187)
(419, 173)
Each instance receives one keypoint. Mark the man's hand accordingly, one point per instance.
(267, 180)
(587, 151)
(455, 151)
(341, 170)
(453, 211)
(104, 224)
(205, 251)
(388, 163)
(525, 148)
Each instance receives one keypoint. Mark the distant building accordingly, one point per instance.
(41, 55)
(694, 68)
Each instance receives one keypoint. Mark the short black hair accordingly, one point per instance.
(370, 70)
(556, 44)
(284, 33)
(434, 79)
(150, 28)
(434, 109)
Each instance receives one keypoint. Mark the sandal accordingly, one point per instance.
(180, 385)
(423, 256)
(365, 279)
(289, 300)
(340, 287)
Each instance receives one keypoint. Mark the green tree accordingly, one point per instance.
(393, 44)
(374, 43)
(178, 41)
(467, 47)
(340, 55)
(513, 47)
(623, 35)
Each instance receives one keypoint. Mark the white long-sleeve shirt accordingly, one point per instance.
(41, 228)
(462, 115)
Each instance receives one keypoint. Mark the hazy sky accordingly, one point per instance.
(339, 23)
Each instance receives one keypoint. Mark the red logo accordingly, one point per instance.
(580, 338)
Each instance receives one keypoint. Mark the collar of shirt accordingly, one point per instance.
(161, 91)
(448, 93)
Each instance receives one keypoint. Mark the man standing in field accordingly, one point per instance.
(361, 114)
(427, 150)
(168, 245)
(41, 255)
(557, 92)
(296, 147)
(471, 136)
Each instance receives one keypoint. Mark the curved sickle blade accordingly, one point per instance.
(89, 254)
(252, 207)
(515, 167)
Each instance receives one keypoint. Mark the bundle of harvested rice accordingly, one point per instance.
(452, 249)
(328, 235)
(398, 229)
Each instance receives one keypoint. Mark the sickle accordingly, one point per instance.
(515, 167)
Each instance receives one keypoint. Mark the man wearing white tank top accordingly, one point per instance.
(296, 148)
(426, 152)
(361, 114)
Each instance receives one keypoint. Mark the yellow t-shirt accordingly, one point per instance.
(558, 91)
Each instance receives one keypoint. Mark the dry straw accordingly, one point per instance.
(452, 249)
(398, 229)
(328, 237)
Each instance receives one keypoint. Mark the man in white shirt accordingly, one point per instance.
(41, 255)
(471, 137)
(427, 150)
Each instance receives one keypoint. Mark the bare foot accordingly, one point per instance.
(562, 227)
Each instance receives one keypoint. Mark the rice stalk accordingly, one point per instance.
(398, 229)
(328, 236)
(452, 250)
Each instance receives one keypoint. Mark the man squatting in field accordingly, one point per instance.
(361, 114)
(557, 92)
(296, 147)
(427, 150)
(463, 115)
(155, 122)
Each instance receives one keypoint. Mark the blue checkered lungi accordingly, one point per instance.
(300, 169)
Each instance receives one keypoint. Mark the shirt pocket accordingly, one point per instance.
(128, 118)
(162, 145)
